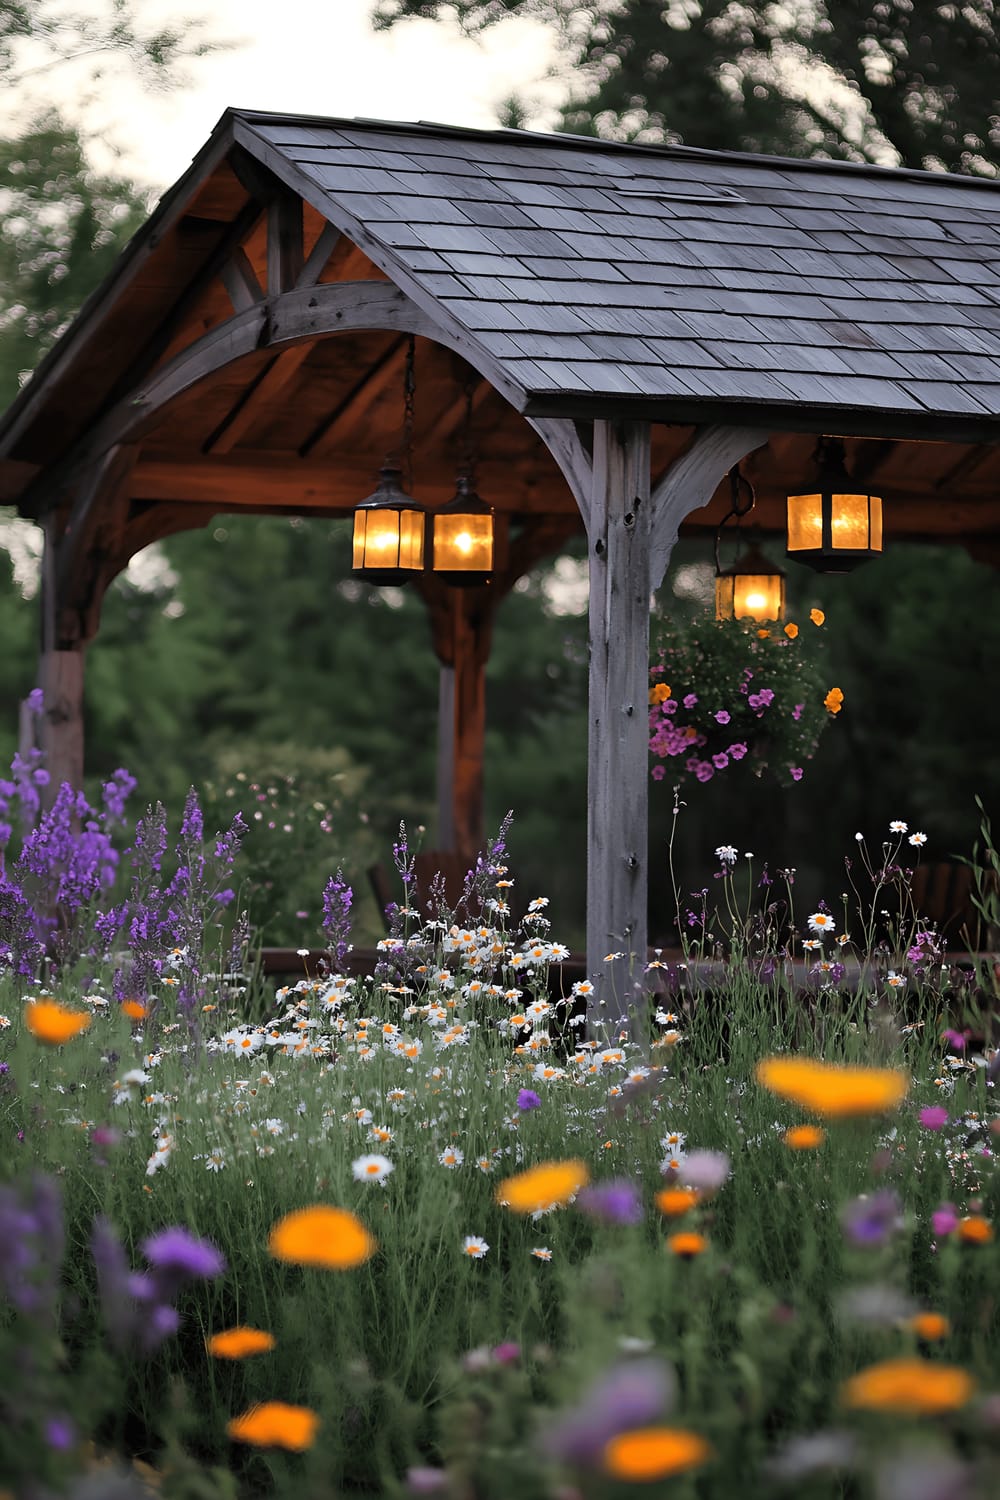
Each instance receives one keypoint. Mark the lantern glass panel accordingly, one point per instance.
(463, 543)
(805, 523)
(850, 522)
(388, 538)
(759, 596)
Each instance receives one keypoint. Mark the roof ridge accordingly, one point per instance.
(648, 148)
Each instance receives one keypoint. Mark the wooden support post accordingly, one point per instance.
(446, 758)
(62, 720)
(473, 632)
(462, 630)
(618, 754)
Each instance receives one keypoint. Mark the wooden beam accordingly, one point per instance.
(690, 483)
(618, 754)
(319, 255)
(966, 465)
(81, 553)
(561, 436)
(344, 307)
(356, 405)
(452, 417)
(284, 242)
(265, 389)
(240, 281)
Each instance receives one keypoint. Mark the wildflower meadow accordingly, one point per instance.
(455, 1226)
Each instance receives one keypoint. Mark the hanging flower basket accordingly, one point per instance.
(728, 692)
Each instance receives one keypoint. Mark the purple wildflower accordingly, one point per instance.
(871, 1219)
(629, 1395)
(614, 1202)
(177, 1255)
(944, 1220)
(528, 1099)
(737, 751)
(722, 717)
(934, 1117)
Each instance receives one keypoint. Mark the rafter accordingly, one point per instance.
(356, 405)
(265, 389)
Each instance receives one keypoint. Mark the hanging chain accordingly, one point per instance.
(741, 502)
(409, 388)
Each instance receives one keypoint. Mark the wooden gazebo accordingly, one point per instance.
(629, 323)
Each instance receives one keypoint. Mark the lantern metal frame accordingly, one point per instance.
(446, 535)
(750, 564)
(389, 498)
(863, 510)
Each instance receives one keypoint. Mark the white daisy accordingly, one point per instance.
(821, 921)
(917, 839)
(371, 1168)
(474, 1246)
(452, 1157)
(897, 826)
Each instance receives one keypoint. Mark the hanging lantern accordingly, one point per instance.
(753, 588)
(389, 533)
(462, 547)
(836, 527)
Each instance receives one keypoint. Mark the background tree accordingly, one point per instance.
(861, 80)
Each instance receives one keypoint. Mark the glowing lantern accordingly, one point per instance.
(389, 533)
(462, 550)
(753, 588)
(836, 527)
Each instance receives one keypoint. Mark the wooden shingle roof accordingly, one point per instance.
(673, 280)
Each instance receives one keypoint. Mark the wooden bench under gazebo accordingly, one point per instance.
(606, 329)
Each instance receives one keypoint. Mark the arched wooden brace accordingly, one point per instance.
(631, 536)
(461, 620)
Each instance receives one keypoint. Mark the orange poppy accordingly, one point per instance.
(688, 1245)
(650, 1453)
(910, 1387)
(675, 1201)
(549, 1184)
(238, 1343)
(275, 1424)
(54, 1024)
(832, 1090)
(331, 1238)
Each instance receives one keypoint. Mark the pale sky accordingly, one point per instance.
(310, 56)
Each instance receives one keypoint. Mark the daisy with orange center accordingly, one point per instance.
(549, 1185)
(275, 1424)
(650, 1453)
(239, 1343)
(909, 1387)
(54, 1024)
(330, 1238)
(831, 1090)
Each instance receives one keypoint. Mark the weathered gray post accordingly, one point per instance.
(619, 536)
